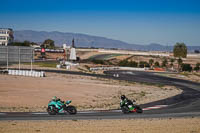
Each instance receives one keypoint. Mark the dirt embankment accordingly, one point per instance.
(19, 93)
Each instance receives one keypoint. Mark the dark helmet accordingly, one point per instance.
(123, 97)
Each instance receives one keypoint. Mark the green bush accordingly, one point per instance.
(25, 43)
(197, 67)
(133, 64)
(186, 67)
(143, 64)
(156, 64)
(127, 63)
(102, 62)
(123, 63)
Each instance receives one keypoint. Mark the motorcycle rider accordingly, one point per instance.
(56, 99)
(59, 102)
(126, 102)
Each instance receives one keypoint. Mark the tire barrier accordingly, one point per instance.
(26, 73)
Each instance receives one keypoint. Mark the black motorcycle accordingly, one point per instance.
(131, 107)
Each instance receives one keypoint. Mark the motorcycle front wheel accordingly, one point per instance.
(138, 109)
(71, 110)
(51, 110)
(125, 110)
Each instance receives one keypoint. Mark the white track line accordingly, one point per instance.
(85, 112)
(40, 113)
(116, 110)
(2, 113)
(155, 107)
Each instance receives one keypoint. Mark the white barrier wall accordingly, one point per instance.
(119, 68)
(104, 68)
(134, 68)
(26, 73)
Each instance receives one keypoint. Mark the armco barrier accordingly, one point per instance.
(26, 73)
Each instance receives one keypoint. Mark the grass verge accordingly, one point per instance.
(44, 64)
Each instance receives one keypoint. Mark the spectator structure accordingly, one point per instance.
(6, 36)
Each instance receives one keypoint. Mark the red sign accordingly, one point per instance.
(43, 50)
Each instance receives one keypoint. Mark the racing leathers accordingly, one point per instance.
(128, 103)
(59, 104)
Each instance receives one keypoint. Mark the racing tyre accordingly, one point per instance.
(125, 110)
(51, 110)
(71, 110)
(138, 109)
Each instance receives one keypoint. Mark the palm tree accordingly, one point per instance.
(172, 63)
(179, 61)
(156, 64)
(151, 61)
(164, 62)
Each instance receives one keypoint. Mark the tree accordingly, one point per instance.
(25, 43)
(197, 67)
(164, 62)
(143, 64)
(133, 64)
(123, 63)
(156, 64)
(180, 50)
(179, 61)
(186, 67)
(151, 61)
(172, 62)
(48, 44)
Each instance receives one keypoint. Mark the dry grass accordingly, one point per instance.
(168, 125)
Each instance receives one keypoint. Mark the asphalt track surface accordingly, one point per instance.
(186, 104)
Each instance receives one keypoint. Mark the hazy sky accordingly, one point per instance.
(133, 21)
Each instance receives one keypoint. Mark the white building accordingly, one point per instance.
(6, 36)
(72, 54)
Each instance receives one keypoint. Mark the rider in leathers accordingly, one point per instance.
(126, 102)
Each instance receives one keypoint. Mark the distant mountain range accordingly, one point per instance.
(83, 40)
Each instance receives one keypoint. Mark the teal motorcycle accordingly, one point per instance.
(61, 107)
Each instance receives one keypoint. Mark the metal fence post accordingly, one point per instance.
(7, 58)
(19, 58)
(31, 61)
